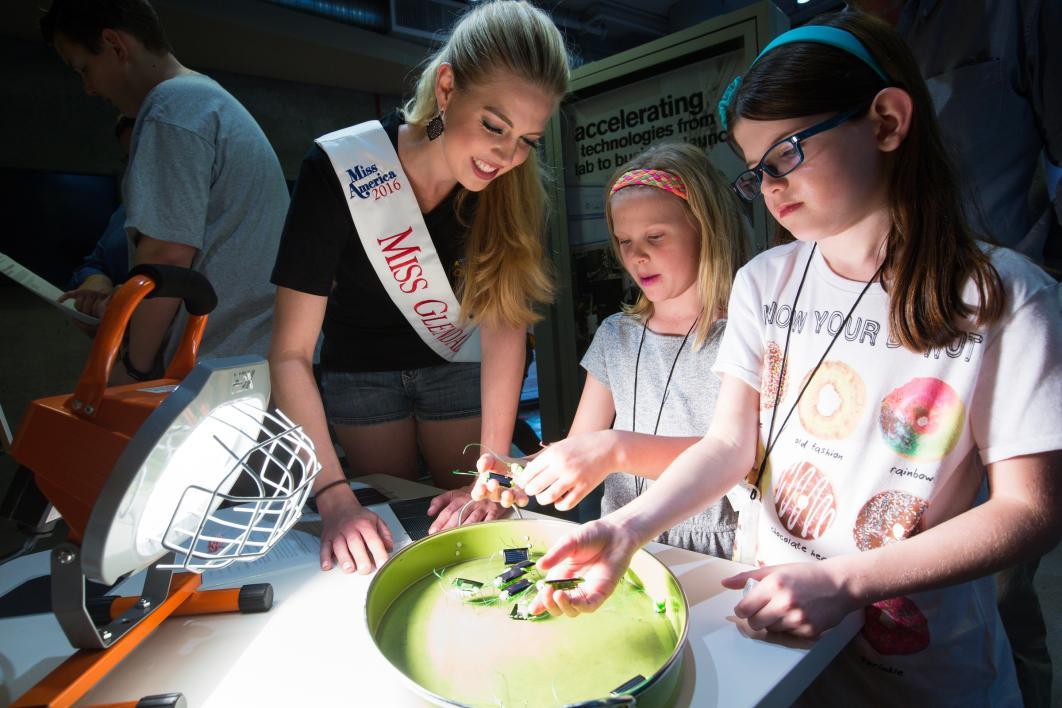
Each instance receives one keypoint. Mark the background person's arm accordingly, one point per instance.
(152, 319)
(166, 189)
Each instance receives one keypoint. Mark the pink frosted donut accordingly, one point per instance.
(896, 626)
(886, 518)
(770, 390)
(922, 420)
(833, 402)
(805, 501)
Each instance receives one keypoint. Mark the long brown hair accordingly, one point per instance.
(930, 251)
(712, 207)
(505, 271)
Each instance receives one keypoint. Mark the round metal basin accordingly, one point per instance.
(453, 647)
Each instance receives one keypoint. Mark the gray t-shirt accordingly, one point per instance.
(201, 172)
(687, 411)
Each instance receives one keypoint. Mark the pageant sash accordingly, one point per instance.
(396, 240)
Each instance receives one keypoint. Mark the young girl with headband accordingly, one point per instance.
(894, 385)
(677, 229)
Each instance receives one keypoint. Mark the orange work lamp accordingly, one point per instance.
(144, 475)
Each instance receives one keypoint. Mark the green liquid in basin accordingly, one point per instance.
(475, 654)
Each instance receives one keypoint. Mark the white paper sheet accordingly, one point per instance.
(298, 548)
(42, 289)
(294, 550)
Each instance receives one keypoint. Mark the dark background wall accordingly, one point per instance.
(48, 123)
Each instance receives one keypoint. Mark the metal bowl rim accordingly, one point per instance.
(667, 666)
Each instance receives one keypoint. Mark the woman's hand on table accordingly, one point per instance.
(353, 538)
(802, 599)
(489, 489)
(600, 553)
(448, 507)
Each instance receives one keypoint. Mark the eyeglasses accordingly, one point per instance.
(785, 155)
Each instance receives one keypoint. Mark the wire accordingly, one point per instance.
(27, 546)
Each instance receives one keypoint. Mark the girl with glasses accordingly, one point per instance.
(893, 385)
(678, 232)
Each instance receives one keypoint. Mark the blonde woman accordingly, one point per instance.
(415, 245)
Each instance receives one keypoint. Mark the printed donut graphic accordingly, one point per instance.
(805, 501)
(888, 517)
(895, 626)
(833, 402)
(770, 390)
(922, 420)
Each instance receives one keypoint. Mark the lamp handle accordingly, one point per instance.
(189, 285)
(199, 299)
(144, 281)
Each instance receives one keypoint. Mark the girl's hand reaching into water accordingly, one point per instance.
(599, 553)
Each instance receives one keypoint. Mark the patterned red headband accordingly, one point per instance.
(652, 178)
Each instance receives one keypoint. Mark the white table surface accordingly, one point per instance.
(313, 647)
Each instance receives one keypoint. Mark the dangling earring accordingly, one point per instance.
(435, 126)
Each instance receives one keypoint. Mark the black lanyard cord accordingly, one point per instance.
(638, 481)
(785, 355)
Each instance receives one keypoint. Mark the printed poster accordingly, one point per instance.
(605, 130)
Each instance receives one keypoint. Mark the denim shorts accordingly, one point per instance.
(443, 392)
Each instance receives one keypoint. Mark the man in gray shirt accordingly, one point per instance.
(203, 188)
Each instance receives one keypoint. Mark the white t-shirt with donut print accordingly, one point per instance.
(886, 443)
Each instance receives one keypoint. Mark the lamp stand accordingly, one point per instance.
(132, 619)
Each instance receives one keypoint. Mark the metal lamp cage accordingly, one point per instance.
(273, 467)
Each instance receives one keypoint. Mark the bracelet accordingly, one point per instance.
(134, 373)
(328, 486)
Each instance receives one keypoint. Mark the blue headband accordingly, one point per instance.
(817, 34)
